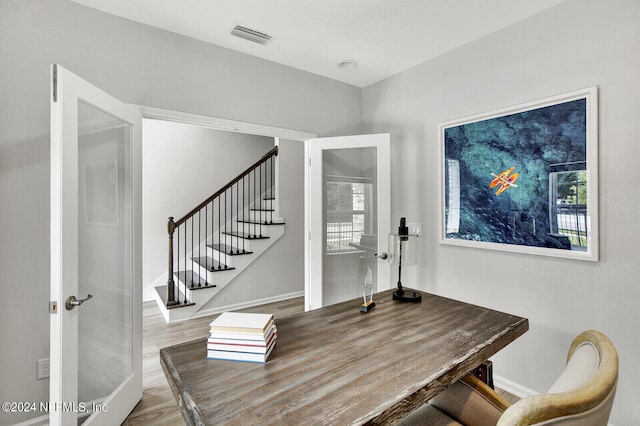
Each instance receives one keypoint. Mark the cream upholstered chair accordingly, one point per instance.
(582, 395)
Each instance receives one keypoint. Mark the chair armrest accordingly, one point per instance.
(590, 400)
(471, 402)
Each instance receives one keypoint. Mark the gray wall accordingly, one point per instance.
(578, 44)
(137, 64)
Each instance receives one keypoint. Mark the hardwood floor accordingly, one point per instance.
(158, 405)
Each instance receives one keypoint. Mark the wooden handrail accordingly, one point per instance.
(251, 168)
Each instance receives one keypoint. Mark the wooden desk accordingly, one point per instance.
(339, 366)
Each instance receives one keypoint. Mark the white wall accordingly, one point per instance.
(140, 65)
(284, 261)
(182, 165)
(578, 44)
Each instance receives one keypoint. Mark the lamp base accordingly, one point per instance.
(407, 296)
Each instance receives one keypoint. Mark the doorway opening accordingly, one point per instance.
(187, 157)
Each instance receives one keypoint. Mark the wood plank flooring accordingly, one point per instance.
(158, 405)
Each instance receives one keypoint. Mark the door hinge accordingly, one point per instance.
(55, 83)
(309, 161)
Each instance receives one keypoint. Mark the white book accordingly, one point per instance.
(242, 338)
(233, 346)
(242, 322)
(241, 356)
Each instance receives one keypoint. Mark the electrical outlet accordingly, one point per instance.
(43, 368)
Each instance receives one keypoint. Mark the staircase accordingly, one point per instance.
(220, 238)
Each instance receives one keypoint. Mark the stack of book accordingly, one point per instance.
(237, 336)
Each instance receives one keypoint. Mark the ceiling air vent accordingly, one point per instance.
(251, 35)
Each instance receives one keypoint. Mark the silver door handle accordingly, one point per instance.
(72, 302)
(382, 255)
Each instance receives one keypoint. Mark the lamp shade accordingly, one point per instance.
(409, 249)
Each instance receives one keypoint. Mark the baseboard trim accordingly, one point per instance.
(512, 387)
(243, 305)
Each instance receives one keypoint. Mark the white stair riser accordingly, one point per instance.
(253, 228)
(227, 238)
(262, 216)
(199, 297)
(267, 204)
(219, 277)
(171, 316)
(219, 256)
(242, 243)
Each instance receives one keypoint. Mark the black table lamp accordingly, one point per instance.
(403, 248)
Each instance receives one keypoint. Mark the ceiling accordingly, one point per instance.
(383, 36)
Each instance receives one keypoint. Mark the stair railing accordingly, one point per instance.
(212, 220)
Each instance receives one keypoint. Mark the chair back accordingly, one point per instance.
(582, 395)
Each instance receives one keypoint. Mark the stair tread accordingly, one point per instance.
(246, 235)
(229, 250)
(192, 280)
(162, 292)
(211, 264)
(263, 210)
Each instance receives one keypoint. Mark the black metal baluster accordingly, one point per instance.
(213, 230)
(234, 217)
(268, 166)
(206, 238)
(192, 220)
(219, 229)
(252, 226)
(237, 215)
(199, 245)
(244, 196)
(260, 195)
(185, 261)
(223, 247)
(176, 299)
(231, 215)
(271, 197)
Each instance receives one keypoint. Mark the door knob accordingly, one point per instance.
(382, 255)
(72, 302)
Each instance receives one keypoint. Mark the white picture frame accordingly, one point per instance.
(509, 178)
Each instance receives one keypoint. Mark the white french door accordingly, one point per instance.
(96, 308)
(348, 217)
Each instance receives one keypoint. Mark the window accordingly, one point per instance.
(452, 188)
(348, 205)
(568, 206)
